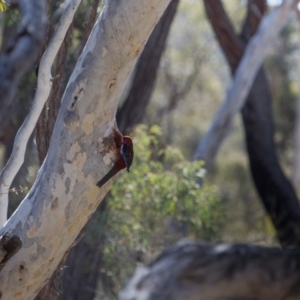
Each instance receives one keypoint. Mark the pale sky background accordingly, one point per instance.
(274, 2)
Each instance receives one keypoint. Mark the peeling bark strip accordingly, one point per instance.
(65, 193)
(9, 246)
(194, 270)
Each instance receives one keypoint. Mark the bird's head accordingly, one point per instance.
(127, 140)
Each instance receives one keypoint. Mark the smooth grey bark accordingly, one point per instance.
(82, 147)
(194, 270)
(82, 268)
(14, 63)
(54, 287)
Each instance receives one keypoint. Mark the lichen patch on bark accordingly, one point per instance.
(75, 148)
(88, 123)
(103, 51)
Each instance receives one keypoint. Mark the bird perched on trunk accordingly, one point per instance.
(124, 160)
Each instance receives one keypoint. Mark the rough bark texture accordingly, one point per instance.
(133, 110)
(198, 271)
(275, 190)
(81, 150)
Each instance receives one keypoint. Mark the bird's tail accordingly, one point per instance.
(108, 176)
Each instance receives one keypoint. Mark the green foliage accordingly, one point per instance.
(158, 202)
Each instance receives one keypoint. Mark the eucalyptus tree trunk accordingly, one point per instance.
(81, 150)
(82, 272)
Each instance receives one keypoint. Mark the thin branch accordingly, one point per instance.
(43, 90)
(20, 55)
(195, 270)
(259, 46)
(46, 122)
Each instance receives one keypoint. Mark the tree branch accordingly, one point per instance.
(256, 51)
(223, 28)
(43, 90)
(255, 12)
(21, 54)
(82, 146)
(47, 118)
(273, 187)
(194, 270)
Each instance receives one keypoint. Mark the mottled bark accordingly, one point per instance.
(274, 188)
(82, 272)
(81, 150)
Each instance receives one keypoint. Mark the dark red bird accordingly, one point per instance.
(124, 160)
